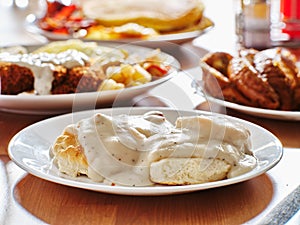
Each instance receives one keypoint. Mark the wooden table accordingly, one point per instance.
(26, 199)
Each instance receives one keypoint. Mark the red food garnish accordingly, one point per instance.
(65, 12)
(64, 19)
(157, 70)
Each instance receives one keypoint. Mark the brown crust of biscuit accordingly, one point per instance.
(69, 155)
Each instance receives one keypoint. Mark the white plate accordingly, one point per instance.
(29, 149)
(55, 104)
(265, 113)
(175, 38)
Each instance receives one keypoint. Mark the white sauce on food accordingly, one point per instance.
(43, 64)
(120, 149)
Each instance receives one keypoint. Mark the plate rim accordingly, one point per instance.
(172, 37)
(143, 191)
(255, 111)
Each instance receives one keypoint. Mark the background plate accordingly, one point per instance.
(264, 113)
(29, 149)
(178, 38)
(55, 104)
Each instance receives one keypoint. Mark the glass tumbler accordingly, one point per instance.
(253, 23)
(290, 13)
(31, 9)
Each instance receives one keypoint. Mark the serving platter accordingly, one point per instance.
(29, 149)
(55, 104)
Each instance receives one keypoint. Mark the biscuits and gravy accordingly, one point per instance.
(143, 150)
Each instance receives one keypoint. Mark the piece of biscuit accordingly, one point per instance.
(183, 171)
(69, 155)
(142, 150)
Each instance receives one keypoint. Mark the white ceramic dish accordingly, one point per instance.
(174, 38)
(29, 149)
(55, 104)
(264, 113)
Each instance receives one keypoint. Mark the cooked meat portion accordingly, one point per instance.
(15, 79)
(76, 80)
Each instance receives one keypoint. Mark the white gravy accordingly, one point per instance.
(120, 149)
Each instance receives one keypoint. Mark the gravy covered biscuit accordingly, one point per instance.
(143, 150)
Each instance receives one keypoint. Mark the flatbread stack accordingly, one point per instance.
(163, 16)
